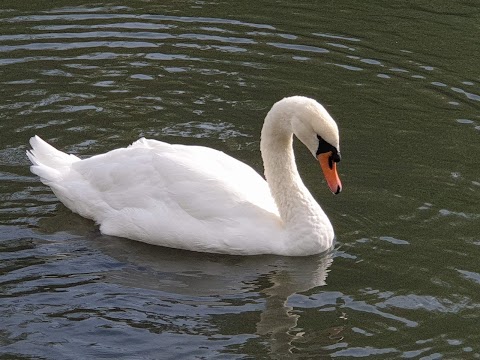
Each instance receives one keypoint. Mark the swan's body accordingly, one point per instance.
(200, 199)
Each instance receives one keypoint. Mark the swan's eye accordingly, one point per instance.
(324, 147)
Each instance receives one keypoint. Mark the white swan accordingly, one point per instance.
(200, 199)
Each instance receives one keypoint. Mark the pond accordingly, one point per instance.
(400, 78)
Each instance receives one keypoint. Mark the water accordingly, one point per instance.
(402, 81)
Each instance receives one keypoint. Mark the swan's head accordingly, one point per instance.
(314, 127)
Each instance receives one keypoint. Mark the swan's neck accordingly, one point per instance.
(297, 207)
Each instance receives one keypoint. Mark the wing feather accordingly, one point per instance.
(200, 182)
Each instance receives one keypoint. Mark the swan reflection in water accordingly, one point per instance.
(258, 283)
(194, 274)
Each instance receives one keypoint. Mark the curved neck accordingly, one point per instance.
(294, 202)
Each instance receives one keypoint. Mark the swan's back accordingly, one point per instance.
(188, 197)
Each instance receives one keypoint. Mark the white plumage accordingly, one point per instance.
(197, 198)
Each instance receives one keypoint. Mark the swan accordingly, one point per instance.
(200, 199)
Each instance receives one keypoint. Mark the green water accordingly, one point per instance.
(402, 81)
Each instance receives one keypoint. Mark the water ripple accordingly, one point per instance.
(92, 16)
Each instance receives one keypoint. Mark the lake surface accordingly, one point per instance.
(402, 80)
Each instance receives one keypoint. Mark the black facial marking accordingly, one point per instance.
(336, 157)
(325, 147)
(330, 162)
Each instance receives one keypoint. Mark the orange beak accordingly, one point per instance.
(329, 168)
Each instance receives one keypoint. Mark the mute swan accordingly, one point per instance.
(200, 199)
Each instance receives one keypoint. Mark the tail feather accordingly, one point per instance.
(48, 162)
